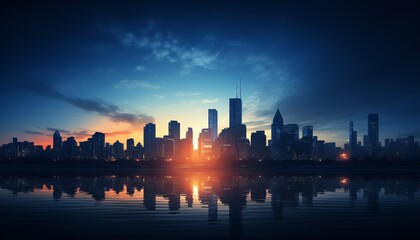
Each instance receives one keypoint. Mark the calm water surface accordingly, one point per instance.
(217, 206)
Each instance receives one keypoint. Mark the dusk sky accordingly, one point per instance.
(113, 66)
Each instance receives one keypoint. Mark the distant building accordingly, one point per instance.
(235, 112)
(130, 144)
(57, 141)
(373, 130)
(205, 143)
(212, 123)
(117, 150)
(308, 132)
(258, 145)
(98, 146)
(352, 140)
(276, 128)
(174, 130)
(149, 136)
(70, 149)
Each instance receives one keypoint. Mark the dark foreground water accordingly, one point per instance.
(194, 205)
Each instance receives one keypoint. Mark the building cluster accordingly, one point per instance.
(230, 144)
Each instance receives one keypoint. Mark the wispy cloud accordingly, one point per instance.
(214, 100)
(98, 106)
(187, 94)
(237, 43)
(130, 84)
(33, 132)
(167, 47)
(159, 96)
(140, 68)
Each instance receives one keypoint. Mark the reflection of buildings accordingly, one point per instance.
(285, 192)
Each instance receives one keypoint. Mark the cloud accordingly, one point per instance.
(158, 96)
(56, 129)
(187, 94)
(98, 106)
(166, 47)
(140, 68)
(214, 100)
(117, 133)
(33, 132)
(237, 43)
(130, 84)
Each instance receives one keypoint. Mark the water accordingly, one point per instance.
(191, 205)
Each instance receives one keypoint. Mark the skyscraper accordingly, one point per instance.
(98, 145)
(352, 138)
(205, 144)
(174, 130)
(212, 123)
(235, 112)
(189, 136)
(258, 145)
(130, 144)
(149, 136)
(57, 141)
(308, 132)
(276, 127)
(373, 129)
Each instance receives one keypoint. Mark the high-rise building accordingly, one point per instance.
(149, 135)
(352, 139)
(235, 112)
(258, 144)
(212, 123)
(308, 132)
(117, 150)
(57, 141)
(373, 129)
(189, 136)
(276, 127)
(174, 130)
(130, 144)
(292, 130)
(205, 144)
(98, 145)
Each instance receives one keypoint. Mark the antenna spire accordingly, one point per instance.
(240, 88)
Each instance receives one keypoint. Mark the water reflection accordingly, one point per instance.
(214, 193)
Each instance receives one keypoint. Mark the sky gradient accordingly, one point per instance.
(113, 66)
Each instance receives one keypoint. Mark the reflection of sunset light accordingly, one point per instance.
(195, 192)
(344, 181)
(344, 156)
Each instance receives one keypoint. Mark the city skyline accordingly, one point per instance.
(130, 64)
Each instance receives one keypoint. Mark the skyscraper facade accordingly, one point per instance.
(308, 132)
(212, 123)
(235, 112)
(373, 130)
(149, 136)
(57, 141)
(174, 130)
(98, 145)
(276, 127)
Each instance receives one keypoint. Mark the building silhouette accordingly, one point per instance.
(149, 137)
(352, 139)
(98, 145)
(373, 130)
(276, 128)
(57, 141)
(212, 123)
(174, 130)
(235, 112)
(258, 145)
(205, 143)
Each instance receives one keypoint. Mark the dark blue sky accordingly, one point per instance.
(112, 66)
